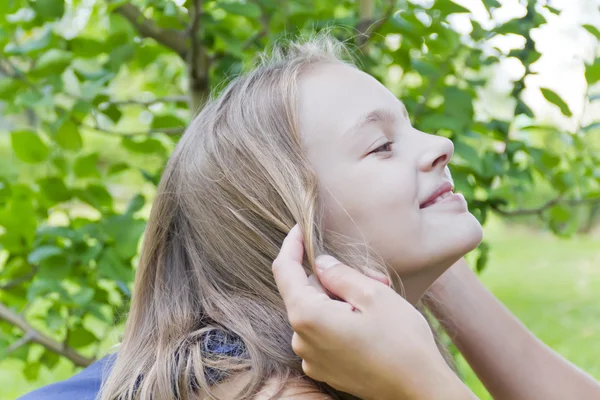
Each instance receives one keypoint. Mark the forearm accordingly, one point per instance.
(510, 361)
(436, 382)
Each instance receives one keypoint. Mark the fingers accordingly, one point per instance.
(314, 282)
(287, 268)
(348, 284)
(378, 276)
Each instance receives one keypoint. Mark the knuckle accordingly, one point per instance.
(334, 273)
(370, 295)
(276, 264)
(300, 322)
(308, 370)
(298, 346)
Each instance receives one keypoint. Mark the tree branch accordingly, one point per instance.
(433, 81)
(171, 38)
(35, 336)
(539, 210)
(166, 131)
(367, 26)
(167, 99)
(198, 62)
(19, 280)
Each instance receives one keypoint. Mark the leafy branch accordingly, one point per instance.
(539, 210)
(166, 99)
(367, 25)
(171, 38)
(32, 335)
(17, 281)
(166, 131)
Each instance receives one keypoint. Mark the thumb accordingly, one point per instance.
(347, 283)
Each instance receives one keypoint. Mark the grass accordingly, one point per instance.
(546, 281)
(551, 285)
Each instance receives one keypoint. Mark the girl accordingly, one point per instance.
(304, 138)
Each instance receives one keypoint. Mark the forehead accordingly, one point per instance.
(333, 96)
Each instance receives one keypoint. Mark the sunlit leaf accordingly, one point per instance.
(555, 99)
(28, 146)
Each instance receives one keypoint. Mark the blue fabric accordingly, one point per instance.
(83, 386)
(86, 384)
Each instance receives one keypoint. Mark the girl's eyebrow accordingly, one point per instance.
(384, 115)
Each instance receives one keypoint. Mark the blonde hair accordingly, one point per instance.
(234, 186)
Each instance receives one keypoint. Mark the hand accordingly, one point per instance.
(373, 344)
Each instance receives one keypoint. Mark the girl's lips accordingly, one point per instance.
(441, 190)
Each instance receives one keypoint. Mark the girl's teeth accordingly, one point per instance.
(441, 197)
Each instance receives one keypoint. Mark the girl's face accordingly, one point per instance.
(381, 178)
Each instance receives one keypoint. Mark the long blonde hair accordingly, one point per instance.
(234, 186)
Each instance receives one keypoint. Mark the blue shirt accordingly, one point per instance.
(83, 386)
(86, 384)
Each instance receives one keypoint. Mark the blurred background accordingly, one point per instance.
(94, 94)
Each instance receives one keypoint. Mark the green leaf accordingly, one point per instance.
(54, 189)
(117, 168)
(28, 146)
(513, 26)
(448, 7)
(53, 61)
(523, 108)
(49, 9)
(126, 232)
(119, 56)
(111, 267)
(97, 196)
(593, 30)
(469, 154)
(489, 4)
(86, 47)
(8, 87)
(32, 371)
(86, 166)
(61, 164)
(68, 136)
(555, 99)
(560, 213)
(81, 337)
(145, 145)
(49, 359)
(167, 121)
(245, 9)
(42, 253)
(592, 72)
(113, 112)
(135, 204)
(482, 260)
(83, 296)
(55, 268)
(31, 45)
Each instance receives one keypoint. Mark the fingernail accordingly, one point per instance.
(325, 261)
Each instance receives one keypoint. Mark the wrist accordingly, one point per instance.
(435, 381)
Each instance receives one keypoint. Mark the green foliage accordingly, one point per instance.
(94, 110)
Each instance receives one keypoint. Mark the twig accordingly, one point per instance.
(17, 281)
(27, 337)
(265, 21)
(198, 62)
(166, 131)
(431, 86)
(368, 27)
(539, 210)
(196, 11)
(33, 335)
(167, 99)
(171, 38)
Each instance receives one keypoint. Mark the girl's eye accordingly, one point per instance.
(385, 147)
